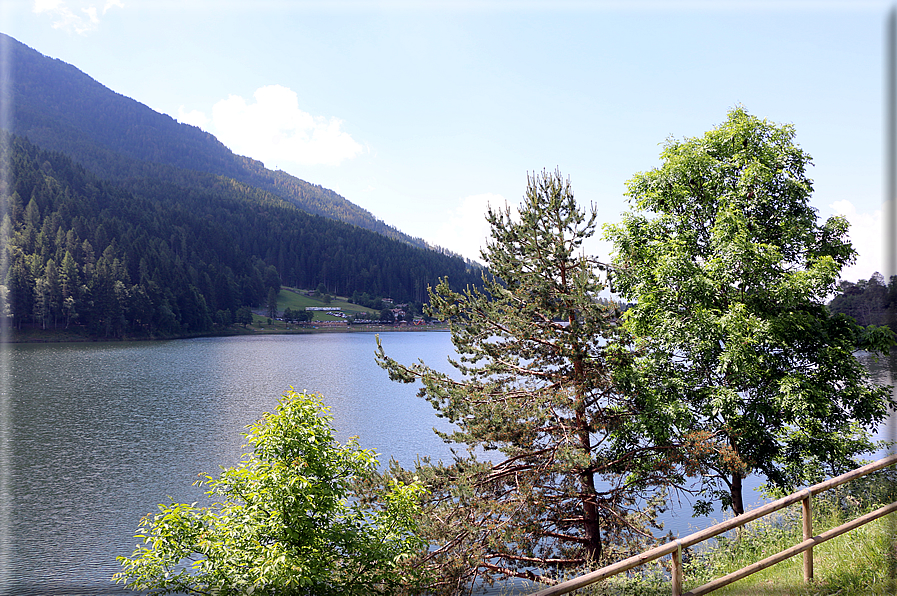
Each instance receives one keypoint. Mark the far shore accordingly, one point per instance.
(76, 335)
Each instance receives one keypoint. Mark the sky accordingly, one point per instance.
(425, 112)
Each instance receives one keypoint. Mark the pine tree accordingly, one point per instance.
(271, 304)
(568, 452)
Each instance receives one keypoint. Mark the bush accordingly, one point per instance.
(286, 519)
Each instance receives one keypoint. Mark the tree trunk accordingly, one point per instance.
(735, 491)
(591, 522)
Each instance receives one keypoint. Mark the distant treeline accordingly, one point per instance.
(175, 251)
(869, 301)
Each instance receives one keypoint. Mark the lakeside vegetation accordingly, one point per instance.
(288, 519)
(861, 562)
(287, 298)
(870, 301)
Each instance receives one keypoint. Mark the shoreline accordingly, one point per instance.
(40, 336)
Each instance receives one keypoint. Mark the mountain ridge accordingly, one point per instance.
(113, 227)
(61, 108)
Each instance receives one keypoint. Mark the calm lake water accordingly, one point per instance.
(93, 436)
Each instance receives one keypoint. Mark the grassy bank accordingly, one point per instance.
(859, 563)
(297, 299)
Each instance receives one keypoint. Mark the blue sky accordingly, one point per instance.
(422, 112)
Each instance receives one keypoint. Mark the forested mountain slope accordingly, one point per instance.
(869, 302)
(60, 108)
(175, 252)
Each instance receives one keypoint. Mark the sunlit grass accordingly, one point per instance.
(294, 299)
(859, 563)
(855, 563)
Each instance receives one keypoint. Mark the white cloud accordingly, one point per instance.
(866, 236)
(275, 130)
(110, 3)
(46, 5)
(194, 117)
(464, 230)
(81, 19)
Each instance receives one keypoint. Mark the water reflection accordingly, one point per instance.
(96, 435)
(93, 436)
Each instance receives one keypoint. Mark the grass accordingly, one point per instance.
(292, 298)
(296, 299)
(856, 563)
(859, 563)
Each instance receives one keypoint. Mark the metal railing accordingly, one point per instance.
(675, 547)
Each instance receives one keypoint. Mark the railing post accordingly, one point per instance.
(807, 511)
(677, 569)
(674, 548)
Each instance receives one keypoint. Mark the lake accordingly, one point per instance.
(94, 435)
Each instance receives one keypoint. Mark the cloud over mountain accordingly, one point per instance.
(866, 237)
(274, 129)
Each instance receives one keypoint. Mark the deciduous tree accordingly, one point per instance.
(287, 520)
(728, 269)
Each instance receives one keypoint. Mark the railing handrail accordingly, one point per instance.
(677, 545)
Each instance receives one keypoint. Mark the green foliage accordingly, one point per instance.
(729, 269)
(293, 316)
(367, 301)
(243, 316)
(868, 302)
(573, 462)
(287, 519)
(166, 254)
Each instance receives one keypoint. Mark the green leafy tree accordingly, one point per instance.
(728, 270)
(570, 455)
(287, 520)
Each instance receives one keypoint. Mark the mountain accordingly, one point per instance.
(124, 223)
(60, 108)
